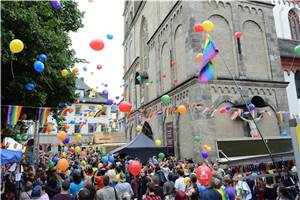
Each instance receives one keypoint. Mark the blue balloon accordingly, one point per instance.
(55, 159)
(38, 66)
(85, 69)
(79, 144)
(105, 85)
(55, 4)
(114, 108)
(42, 58)
(204, 154)
(61, 104)
(202, 189)
(67, 140)
(111, 159)
(30, 86)
(105, 159)
(109, 36)
(109, 101)
(117, 97)
(105, 92)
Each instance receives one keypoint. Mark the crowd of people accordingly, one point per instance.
(88, 178)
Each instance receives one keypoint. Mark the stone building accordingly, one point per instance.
(287, 21)
(160, 48)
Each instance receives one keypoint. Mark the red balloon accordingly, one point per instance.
(198, 28)
(99, 66)
(204, 175)
(135, 168)
(223, 110)
(237, 35)
(125, 106)
(97, 45)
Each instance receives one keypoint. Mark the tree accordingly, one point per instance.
(42, 30)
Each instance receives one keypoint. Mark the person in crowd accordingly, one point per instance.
(282, 193)
(89, 185)
(179, 183)
(108, 192)
(151, 194)
(83, 194)
(243, 191)
(158, 190)
(26, 194)
(44, 195)
(168, 186)
(211, 192)
(192, 190)
(230, 191)
(36, 192)
(142, 183)
(124, 189)
(53, 187)
(76, 184)
(270, 189)
(64, 194)
(259, 189)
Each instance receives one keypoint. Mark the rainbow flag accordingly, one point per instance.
(43, 115)
(206, 66)
(13, 114)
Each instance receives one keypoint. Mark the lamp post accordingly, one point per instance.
(295, 135)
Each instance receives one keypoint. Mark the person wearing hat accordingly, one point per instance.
(36, 192)
(123, 188)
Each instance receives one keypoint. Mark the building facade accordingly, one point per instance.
(160, 48)
(287, 22)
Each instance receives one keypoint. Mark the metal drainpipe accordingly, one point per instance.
(178, 137)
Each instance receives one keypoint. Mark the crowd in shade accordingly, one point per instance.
(89, 177)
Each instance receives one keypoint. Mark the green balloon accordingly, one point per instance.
(51, 165)
(18, 137)
(139, 78)
(161, 156)
(197, 138)
(151, 81)
(24, 137)
(297, 49)
(165, 99)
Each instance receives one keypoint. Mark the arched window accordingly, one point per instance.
(294, 25)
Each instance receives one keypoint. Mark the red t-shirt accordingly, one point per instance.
(99, 180)
(152, 197)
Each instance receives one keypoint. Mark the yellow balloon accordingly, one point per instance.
(208, 149)
(99, 107)
(91, 114)
(138, 128)
(64, 154)
(16, 46)
(157, 143)
(77, 149)
(208, 26)
(94, 90)
(78, 137)
(186, 180)
(64, 72)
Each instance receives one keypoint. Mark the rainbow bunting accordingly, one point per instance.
(13, 114)
(43, 115)
(206, 67)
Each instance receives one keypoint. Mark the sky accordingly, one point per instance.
(101, 17)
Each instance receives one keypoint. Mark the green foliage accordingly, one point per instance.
(42, 30)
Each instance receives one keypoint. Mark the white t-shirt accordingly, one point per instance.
(179, 184)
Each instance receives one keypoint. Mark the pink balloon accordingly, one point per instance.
(135, 168)
(204, 175)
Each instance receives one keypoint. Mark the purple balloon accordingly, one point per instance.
(67, 140)
(55, 4)
(105, 92)
(204, 154)
(228, 108)
(109, 101)
(251, 107)
(117, 97)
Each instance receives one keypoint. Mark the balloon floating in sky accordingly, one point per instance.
(165, 99)
(117, 97)
(16, 46)
(297, 49)
(105, 85)
(75, 70)
(97, 45)
(104, 92)
(109, 36)
(85, 69)
(38, 66)
(109, 101)
(29, 86)
(181, 109)
(42, 58)
(208, 26)
(99, 66)
(55, 4)
(251, 107)
(199, 57)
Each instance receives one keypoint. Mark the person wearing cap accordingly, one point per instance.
(36, 192)
(123, 188)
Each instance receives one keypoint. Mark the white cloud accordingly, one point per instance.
(101, 18)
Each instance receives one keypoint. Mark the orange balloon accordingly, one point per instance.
(199, 57)
(49, 128)
(75, 70)
(63, 164)
(71, 110)
(181, 109)
(61, 135)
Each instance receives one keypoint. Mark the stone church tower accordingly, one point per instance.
(160, 48)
